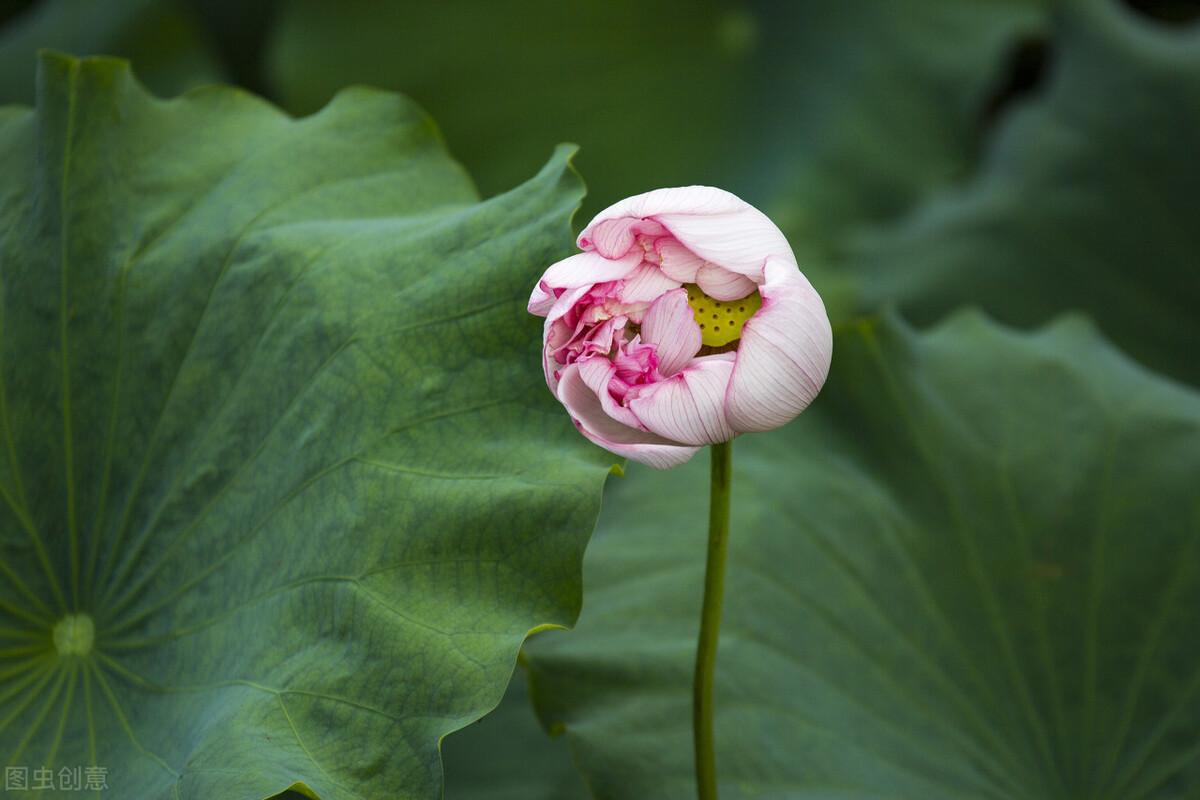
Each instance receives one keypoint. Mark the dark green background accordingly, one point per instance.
(1026, 158)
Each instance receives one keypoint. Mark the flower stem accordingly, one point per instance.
(710, 620)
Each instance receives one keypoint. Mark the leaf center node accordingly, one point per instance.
(74, 634)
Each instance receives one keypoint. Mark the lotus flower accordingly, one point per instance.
(684, 322)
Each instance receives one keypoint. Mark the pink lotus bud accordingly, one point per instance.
(684, 322)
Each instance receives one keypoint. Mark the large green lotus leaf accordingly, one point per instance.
(164, 38)
(1086, 199)
(507, 756)
(273, 423)
(969, 571)
(650, 90)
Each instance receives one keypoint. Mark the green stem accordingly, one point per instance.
(710, 620)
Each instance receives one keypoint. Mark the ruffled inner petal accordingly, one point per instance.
(671, 326)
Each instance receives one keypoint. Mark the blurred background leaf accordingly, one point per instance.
(507, 756)
(970, 570)
(861, 109)
(926, 153)
(165, 39)
(651, 91)
(1086, 198)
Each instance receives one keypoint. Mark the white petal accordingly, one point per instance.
(739, 241)
(689, 407)
(784, 354)
(671, 326)
(677, 261)
(678, 200)
(721, 284)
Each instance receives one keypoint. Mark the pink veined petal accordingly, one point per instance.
(541, 300)
(783, 358)
(721, 284)
(671, 327)
(586, 410)
(597, 373)
(636, 362)
(646, 283)
(548, 367)
(677, 261)
(594, 340)
(581, 269)
(689, 407)
(553, 336)
(713, 223)
(613, 237)
(565, 309)
(549, 341)
(565, 302)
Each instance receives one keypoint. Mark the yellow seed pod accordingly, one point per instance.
(721, 321)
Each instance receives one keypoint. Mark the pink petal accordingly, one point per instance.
(565, 302)
(586, 410)
(721, 284)
(595, 340)
(740, 242)
(712, 223)
(784, 355)
(689, 407)
(671, 326)
(597, 373)
(550, 341)
(646, 283)
(581, 269)
(541, 300)
(613, 237)
(677, 261)
(636, 362)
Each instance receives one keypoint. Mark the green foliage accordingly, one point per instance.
(894, 143)
(164, 39)
(964, 573)
(272, 418)
(507, 756)
(861, 110)
(1085, 199)
(970, 570)
(650, 90)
